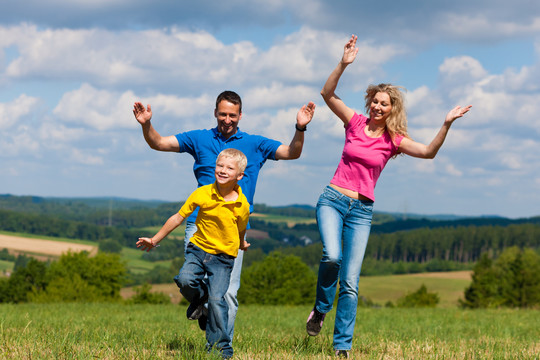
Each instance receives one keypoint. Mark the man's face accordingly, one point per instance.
(228, 115)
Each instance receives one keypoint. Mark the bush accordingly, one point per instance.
(25, 280)
(110, 246)
(419, 298)
(144, 296)
(278, 280)
(74, 277)
(513, 280)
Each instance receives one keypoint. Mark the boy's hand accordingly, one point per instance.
(145, 244)
(244, 244)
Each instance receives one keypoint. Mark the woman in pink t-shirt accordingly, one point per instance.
(344, 209)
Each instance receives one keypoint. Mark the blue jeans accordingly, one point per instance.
(193, 286)
(344, 224)
(234, 285)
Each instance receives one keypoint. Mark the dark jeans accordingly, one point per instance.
(218, 269)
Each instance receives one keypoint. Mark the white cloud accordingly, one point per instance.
(462, 69)
(278, 95)
(482, 26)
(81, 157)
(98, 109)
(13, 112)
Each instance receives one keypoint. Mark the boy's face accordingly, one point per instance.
(227, 171)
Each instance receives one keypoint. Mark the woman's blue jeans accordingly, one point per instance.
(344, 224)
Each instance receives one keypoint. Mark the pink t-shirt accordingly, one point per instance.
(363, 158)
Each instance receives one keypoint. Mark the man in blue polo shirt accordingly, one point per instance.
(205, 145)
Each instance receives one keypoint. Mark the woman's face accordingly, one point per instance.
(380, 107)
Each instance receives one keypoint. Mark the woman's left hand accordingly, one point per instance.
(456, 113)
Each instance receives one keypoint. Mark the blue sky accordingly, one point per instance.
(71, 70)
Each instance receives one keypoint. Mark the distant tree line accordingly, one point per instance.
(55, 227)
(123, 214)
(461, 244)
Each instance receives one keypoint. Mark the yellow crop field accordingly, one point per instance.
(19, 244)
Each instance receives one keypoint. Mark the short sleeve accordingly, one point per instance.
(243, 217)
(355, 121)
(187, 141)
(396, 142)
(191, 204)
(267, 147)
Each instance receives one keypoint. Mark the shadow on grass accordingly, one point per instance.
(191, 348)
(184, 344)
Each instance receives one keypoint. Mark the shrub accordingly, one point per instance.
(278, 279)
(419, 298)
(143, 295)
(513, 280)
(110, 246)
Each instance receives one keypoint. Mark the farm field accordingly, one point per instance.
(448, 285)
(116, 331)
(289, 220)
(40, 246)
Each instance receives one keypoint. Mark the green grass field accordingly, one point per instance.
(116, 331)
(135, 262)
(6, 266)
(178, 232)
(289, 220)
(448, 285)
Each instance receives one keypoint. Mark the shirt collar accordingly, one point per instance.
(238, 135)
(216, 192)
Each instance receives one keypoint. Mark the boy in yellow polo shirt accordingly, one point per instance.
(221, 227)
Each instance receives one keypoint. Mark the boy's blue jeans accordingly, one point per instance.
(194, 287)
(344, 224)
(234, 285)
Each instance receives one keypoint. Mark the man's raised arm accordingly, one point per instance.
(152, 137)
(294, 149)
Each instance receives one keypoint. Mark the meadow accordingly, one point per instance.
(117, 331)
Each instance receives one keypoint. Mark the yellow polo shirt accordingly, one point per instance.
(219, 222)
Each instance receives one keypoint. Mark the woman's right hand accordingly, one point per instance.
(350, 51)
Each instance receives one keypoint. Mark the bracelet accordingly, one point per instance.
(154, 246)
(299, 128)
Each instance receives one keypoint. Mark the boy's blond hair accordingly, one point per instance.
(237, 156)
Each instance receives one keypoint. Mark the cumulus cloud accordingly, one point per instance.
(12, 113)
(98, 109)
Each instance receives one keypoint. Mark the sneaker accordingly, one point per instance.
(194, 311)
(203, 319)
(314, 322)
(342, 354)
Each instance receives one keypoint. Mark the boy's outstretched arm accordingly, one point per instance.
(149, 243)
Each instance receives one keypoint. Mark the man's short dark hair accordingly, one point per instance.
(231, 97)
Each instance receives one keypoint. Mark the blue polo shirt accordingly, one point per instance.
(205, 145)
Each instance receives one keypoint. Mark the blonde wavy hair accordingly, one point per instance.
(396, 123)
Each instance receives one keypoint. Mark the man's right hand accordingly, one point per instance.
(141, 114)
